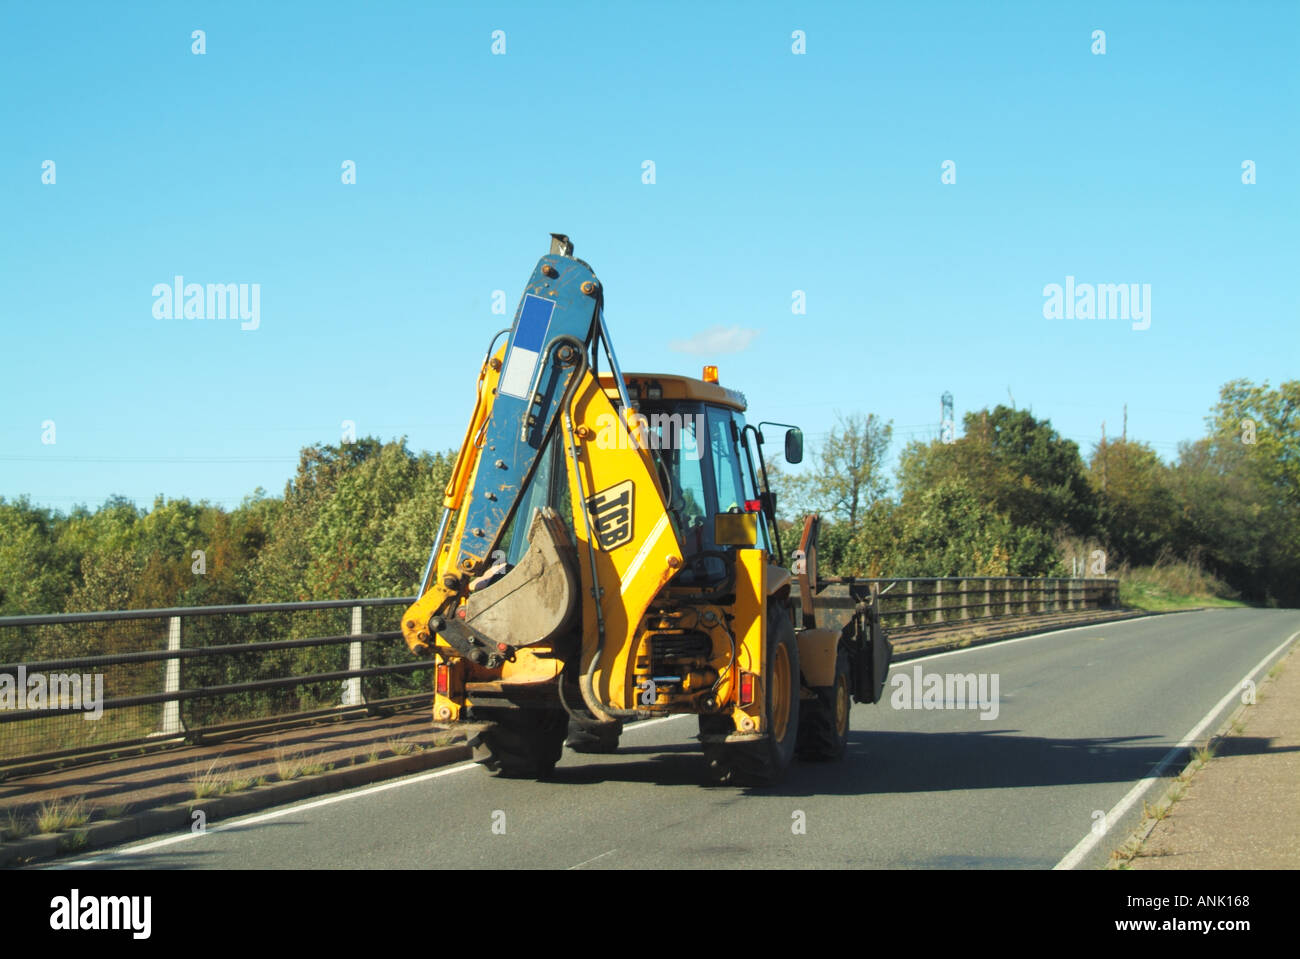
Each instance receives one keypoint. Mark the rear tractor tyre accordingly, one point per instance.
(520, 743)
(765, 762)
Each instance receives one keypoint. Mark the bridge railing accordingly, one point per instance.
(89, 682)
(93, 682)
(943, 602)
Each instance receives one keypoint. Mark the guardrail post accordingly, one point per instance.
(938, 601)
(1006, 596)
(1025, 583)
(1070, 592)
(965, 607)
(171, 717)
(908, 620)
(988, 603)
(352, 687)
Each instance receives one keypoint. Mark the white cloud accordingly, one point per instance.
(715, 340)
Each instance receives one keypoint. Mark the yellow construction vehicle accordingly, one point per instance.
(608, 552)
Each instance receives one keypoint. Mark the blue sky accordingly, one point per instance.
(774, 172)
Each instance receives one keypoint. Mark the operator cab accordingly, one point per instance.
(708, 465)
(696, 430)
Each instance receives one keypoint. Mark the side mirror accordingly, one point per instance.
(794, 446)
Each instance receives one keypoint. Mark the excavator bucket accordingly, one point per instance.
(536, 601)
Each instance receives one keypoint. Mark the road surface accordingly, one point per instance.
(1083, 718)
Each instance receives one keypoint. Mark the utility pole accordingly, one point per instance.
(1103, 456)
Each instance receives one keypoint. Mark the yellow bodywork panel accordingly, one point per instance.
(817, 651)
(532, 664)
(634, 540)
(750, 626)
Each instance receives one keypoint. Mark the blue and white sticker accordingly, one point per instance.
(530, 335)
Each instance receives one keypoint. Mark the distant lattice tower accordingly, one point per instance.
(947, 427)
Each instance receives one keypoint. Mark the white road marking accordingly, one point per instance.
(592, 859)
(643, 723)
(1070, 860)
(327, 801)
(1001, 643)
(1086, 844)
(265, 817)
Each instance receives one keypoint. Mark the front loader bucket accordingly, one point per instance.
(535, 602)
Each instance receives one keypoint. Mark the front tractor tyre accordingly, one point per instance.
(824, 721)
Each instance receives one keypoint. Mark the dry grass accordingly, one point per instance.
(58, 815)
(210, 781)
(1173, 584)
(290, 766)
(17, 826)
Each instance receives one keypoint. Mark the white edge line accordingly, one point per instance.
(264, 817)
(1086, 844)
(592, 859)
(996, 644)
(303, 807)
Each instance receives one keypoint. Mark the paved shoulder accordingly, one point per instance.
(1240, 810)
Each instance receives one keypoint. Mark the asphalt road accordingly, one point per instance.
(1084, 717)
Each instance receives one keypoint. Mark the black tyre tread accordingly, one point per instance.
(593, 739)
(819, 741)
(520, 743)
(763, 763)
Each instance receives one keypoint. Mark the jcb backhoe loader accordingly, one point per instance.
(608, 552)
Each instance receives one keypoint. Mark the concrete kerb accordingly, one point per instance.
(180, 816)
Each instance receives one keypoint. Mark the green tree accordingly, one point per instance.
(1137, 508)
(848, 475)
(1015, 464)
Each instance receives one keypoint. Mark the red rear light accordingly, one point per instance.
(746, 689)
(444, 682)
(753, 506)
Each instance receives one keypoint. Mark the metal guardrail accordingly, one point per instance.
(159, 674)
(925, 606)
(87, 682)
(949, 602)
